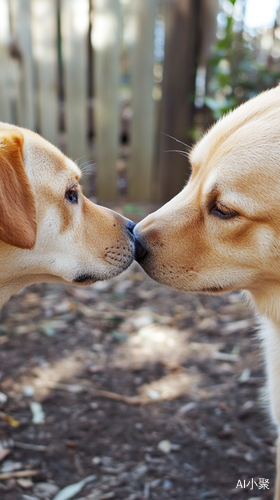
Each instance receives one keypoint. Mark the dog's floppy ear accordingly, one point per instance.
(18, 225)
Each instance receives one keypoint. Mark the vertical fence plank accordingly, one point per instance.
(21, 24)
(74, 29)
(5, 111)
(44, 30)
(180, 63)
(106, 44)
(142, 60)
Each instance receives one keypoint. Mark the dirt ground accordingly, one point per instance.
(154, 393)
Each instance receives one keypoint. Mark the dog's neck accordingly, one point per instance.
(12, 286)
(267, 303)
(5, 294)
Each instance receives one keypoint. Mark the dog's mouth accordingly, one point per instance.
(214, 289)
(139, 250)
(85, 279)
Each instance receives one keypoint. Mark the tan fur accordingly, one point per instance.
(236, 165)
(44, 237)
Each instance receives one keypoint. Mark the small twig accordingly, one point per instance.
(88, 313)
(19, 473)
(75, 388)
(29, 446)
(132, 400)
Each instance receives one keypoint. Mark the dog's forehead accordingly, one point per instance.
(246, 167)
(249, 136)
(239, 157)
(41, 158)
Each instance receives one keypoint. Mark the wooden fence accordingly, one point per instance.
(60, 74)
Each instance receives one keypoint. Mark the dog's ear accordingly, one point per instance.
(18, 225)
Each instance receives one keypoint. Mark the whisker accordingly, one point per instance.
(88, 170)
(85, 162)
(87, 166)
(75, 161)
(183, 153)
(177, 140)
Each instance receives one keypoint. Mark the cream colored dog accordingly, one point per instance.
(222, 232)
(48, 230)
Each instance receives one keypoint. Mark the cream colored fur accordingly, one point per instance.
(52, 239)
(222, 232)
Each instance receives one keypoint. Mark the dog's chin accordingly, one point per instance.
(85, 279)
(180, 282)
(163, 278)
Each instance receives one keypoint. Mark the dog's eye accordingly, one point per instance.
(223, 212)
(72, 195)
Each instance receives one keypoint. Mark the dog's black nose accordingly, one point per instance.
(130, 226)
(139, 251)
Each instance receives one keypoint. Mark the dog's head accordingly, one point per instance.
(48, 230)
(222, 232)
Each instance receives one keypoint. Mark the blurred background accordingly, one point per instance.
(108, 81)
(126, 389)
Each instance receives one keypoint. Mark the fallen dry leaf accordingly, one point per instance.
(25, 483)
(10, 420)
(72, 490)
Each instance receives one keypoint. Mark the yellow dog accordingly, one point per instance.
(48, 230)
(222, 232)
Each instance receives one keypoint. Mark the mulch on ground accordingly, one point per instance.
(154, 393)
